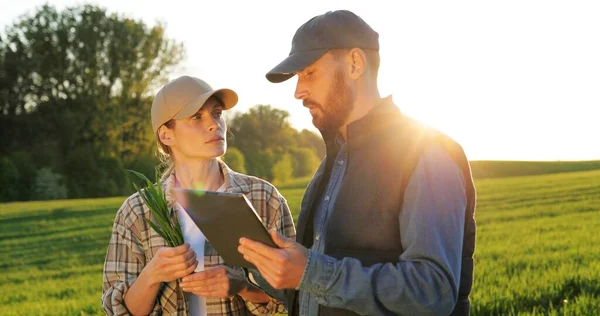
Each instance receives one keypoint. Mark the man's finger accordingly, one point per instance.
(280, 240)
(269, 276)
(256, 258)
(268, 268)
(271, 270)
(248, 245)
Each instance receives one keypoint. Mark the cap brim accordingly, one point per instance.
(294, 63)
(227, 96)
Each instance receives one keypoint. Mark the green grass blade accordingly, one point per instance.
(157, 229)
(154, 197)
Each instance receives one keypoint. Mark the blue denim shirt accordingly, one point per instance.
(308, 303)
(426, 279)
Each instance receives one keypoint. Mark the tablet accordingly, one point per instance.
(224, 218)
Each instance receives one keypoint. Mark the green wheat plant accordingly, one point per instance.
(155, 199)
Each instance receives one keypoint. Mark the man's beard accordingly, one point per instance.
(339, 104)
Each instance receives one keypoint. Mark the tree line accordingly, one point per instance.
(76, 87)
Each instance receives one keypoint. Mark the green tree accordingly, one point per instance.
(81, 77)
(262, 127)
(305, 161)
(9, 177)
(49, 186)
(260, 163)
(23, 161)
(262, 134)
(283, 170)
(234, 158)
(313, 141)
(91, 175)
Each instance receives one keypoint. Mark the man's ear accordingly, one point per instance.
(358, 63)
(166, 135)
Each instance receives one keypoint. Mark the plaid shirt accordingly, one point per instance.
(133, 243)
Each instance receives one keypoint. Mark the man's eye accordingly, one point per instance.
(218, 113)
(196, 117)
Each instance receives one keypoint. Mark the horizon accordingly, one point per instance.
(509, 81)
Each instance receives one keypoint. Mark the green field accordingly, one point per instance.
(499, 169)
(537, 248)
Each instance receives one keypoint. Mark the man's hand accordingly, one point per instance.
(282, 268)
(216, 282)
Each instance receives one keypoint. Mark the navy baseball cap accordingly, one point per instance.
(332, 30)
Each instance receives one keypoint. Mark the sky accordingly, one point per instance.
(508, 80)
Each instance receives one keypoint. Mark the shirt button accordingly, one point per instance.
(327, 198)
(317, 237)
(340, 162)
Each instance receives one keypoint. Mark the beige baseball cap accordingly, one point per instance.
(183, 97)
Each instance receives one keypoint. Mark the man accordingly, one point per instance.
(387, 223)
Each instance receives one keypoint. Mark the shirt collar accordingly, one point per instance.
(229, 177)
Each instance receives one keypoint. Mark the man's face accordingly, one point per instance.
(324, 89)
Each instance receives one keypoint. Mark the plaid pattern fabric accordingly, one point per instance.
(133, 243)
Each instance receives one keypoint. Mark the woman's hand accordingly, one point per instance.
(168, 264)
(171, 263)
(216, 282)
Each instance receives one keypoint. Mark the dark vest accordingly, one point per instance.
(383, 150)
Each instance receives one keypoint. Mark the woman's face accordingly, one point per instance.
(199, 137)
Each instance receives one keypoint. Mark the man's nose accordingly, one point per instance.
(301, 92)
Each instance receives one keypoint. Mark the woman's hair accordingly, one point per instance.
(163, 153)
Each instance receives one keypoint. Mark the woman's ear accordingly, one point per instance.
(166, 135)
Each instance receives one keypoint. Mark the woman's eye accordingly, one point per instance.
(218, 114)
(196, 117)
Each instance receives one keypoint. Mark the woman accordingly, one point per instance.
(140, 270)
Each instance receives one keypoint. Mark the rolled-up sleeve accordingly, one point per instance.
(124, 262)
(426, 278)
